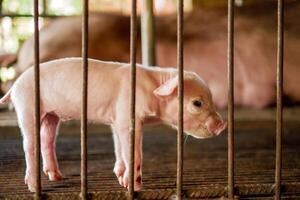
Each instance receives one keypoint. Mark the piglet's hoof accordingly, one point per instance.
(53, 175)
(119, 171)
(119, 168)
(30, 182)
(137, 182)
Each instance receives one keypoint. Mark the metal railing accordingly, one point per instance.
(133, 35)
(85, 15)
(230, 73)
(280, 30)
(180, 98)
(37, 137)
(133, 38)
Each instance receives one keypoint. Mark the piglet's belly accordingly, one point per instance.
(94, 115)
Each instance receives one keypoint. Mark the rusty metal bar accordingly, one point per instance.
(37, 147)
(85, 10)
(147, 32)
(180, 95)
(280, 46)
(230, 65)
(133, 36)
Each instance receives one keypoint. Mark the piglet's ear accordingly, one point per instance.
(167, 88)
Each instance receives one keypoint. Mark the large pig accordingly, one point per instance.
(108, 103)
(205, 48)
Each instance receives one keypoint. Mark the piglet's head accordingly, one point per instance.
(200, 117)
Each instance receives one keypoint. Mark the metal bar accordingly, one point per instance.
(280, 46)
(180, 96)
(147, 32)
(260, 191)
(230, 65)
(1, 7)
(45, 7)
(84, 156)
(13, 15)
(37, 147)
(1, 34)
(133, 36)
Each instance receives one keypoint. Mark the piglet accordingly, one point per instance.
(108, 103)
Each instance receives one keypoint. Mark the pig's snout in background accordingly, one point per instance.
(215, 124)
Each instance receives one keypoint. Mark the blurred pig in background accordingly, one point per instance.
(205, 46)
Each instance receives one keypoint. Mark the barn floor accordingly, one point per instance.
(205, 164)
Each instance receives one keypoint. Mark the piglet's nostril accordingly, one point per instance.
(222, 126)
(214, 124)
(215, 127)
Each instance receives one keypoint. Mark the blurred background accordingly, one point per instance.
(205, 47)
(205, 41)
(14, 30)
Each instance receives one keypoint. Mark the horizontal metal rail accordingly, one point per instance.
(262, 191)
(13, 15)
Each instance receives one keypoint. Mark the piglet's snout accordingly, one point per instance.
(215, 125)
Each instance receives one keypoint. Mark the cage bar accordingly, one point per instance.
(230, 66)
(45, 7)
(37, 146)
(14, 15)
(147, 33)
(1, 6)
(1, 32)
(180, 95)
(133, 36)
(280, 54)
(83, 140)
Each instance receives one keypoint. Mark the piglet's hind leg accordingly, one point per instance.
(49, 128)
(26, 123)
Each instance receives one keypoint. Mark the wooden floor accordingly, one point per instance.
(205, 165)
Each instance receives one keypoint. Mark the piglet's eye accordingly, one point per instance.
(197, 103)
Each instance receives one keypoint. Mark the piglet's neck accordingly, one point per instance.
(160, 76)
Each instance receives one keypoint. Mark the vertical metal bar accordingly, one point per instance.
(180, 95)
(45, 7)
(84, 188)
(1, 6)
(280, 46)
(1, 32)
(147, 32)
(230, 66)
(133, 34)
(37, 147)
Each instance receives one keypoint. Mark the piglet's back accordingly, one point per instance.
(61, 84)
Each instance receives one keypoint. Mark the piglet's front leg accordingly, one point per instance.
(119, 168)
(123, 133)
